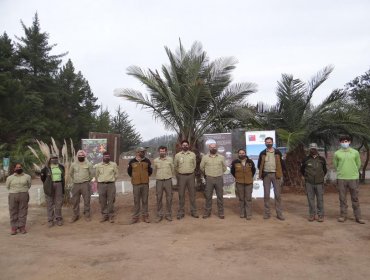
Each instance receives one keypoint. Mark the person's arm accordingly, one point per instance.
(202, 164)
(29, 181)
(324, 167)
(224, 168)
(172, 168)
(253, 167)
(303, 167)
(259, 160)
(7, 183)
(150, 169)
(335, 161)
(129, 169)
(91, 171)
(176, 163)
(115, 171)
(232, 168)
(43, 174)
(358, 160)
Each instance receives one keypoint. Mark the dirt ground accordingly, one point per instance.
(191, 248)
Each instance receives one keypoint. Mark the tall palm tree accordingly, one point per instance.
(192, 94)
(298, 122)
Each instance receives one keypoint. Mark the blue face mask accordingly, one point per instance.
(344, 145)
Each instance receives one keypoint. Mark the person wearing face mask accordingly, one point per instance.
(53, 178)
(164, 171)
(81, 172)
(213, 167)
(314, 169)
(140, 169)
(106, 175)
(185, 163)
(270, 165)
(347, 164)
(243, 169)
(18, 185)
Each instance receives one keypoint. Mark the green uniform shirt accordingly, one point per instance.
(347, 163)
(56, 173)
(164, 168)
(185, 162)
(270, 164)
(213, 166)
(18, 183)
(106, 172)
(81, 171)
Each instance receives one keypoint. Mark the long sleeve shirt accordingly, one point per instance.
(106, 172)
(185, 162)
(213, 166)
(163, 168)
(81, 172)
(18, 183)
(347, 164)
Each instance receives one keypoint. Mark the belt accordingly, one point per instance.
(186, 173)
(106, 182)
(164, 179)
(57, 181)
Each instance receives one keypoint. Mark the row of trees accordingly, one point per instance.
(41, 97)
(194, 95)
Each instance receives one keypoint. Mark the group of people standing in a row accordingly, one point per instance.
(270, 164)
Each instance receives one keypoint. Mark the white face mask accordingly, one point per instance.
(344, 145)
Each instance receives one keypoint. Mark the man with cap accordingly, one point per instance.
(185, 164)
(313, 169)
(139, 169)
(243, 169)
(18, 185)
(213, 167)
(347, 164)
(106, 175)
(53, 176)
(164, 171)
(81, 172)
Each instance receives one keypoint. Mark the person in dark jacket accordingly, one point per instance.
(53, 177)
(270, 165)
(243, 169)
(314, 169)
(139, 169)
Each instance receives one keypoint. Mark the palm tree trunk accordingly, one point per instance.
(363, 174)
(292, 176)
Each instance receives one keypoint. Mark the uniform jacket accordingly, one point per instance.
(314, 169)
(139, 171)
(278, 161)
(243, 174)
(46, 178)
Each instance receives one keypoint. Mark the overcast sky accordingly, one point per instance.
(268, 38)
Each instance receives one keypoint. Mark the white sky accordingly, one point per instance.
(104, 37)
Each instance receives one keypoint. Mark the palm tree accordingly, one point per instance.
(298, 122)
(193, 96)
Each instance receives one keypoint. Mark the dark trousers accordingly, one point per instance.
(18, 209)
(245, 199)
(216, 183)
(268, 179)
(353, 187)
(141, 193)
(54, 203)
(107, 197)
(312, 191)
(78, 190)
(186, 182)
(161, 187)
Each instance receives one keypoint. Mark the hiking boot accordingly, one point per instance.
(221, 216)
(360, 221)
(13, 231)
(50, 224)
(22, 230)
(87, 218)
(134, 221)
(280, 217)
(242, 216)
(60, 222)
(104, 219)
(249, 218)
(74, 219)
(311, 218)
(206, 215)
(180, 216)
(266, 216)
(159, 219)
(111, 219)
(320, 219)
(168, 218)
(195, 215)
(342, 219)
(146, 219)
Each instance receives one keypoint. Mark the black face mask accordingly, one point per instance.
(213, 151)
(269, 146)
(81, 159)
(106, 160)
(19, 171)
(54, 161)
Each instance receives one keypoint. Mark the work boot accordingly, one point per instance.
(320, 219)
(87, 218)
(50, 224)
(13, 231)
(195, 215)
(221, 216)
(342, 219)
(360, 221)
(206, 215)
(22, 230)
(180, 216)
(104, 219)
(60, 222)
(111, 219)
(146, 219)
(266, 216)
(280, 217)
(159, 219)
(134, 220)
(169, 218)
(249, 217)
(311, 218)
(74, 219)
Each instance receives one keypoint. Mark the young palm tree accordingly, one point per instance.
(192, 94)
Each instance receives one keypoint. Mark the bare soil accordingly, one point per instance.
(191, 248)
